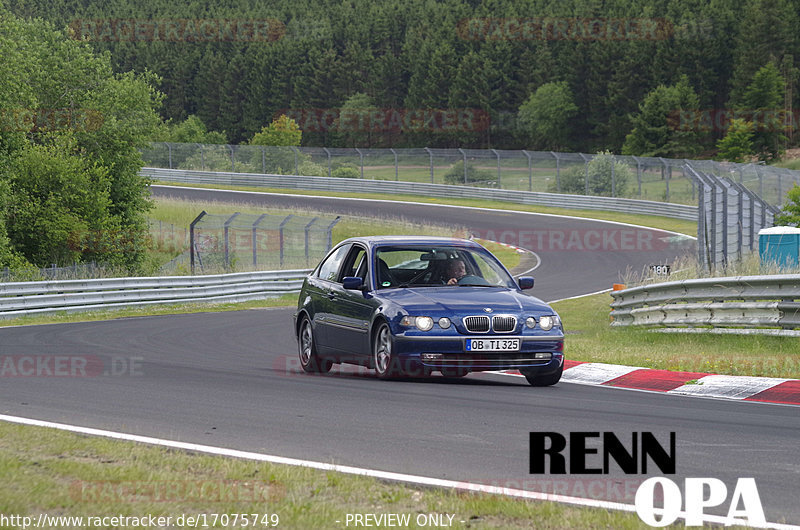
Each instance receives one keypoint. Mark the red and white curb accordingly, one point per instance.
(744, 388)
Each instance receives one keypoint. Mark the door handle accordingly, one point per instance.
(331, 296)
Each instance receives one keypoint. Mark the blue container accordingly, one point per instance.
(779, 245)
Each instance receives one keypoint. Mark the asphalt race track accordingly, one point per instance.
(232, 380)
(569, 267)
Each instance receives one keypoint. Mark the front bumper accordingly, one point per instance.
(450, 353)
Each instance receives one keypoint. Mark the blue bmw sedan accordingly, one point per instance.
(409, 306)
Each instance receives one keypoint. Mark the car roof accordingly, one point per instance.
(376, 241)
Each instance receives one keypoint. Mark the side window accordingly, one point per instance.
(356, 263)
(329, 270)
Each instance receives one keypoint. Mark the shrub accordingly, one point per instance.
(455, 175)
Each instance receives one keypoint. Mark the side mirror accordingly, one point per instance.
(525, 282)
(352, 283)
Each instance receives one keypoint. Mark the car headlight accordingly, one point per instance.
(421, 323)
(547, 322)
(530, 322)
(424, 323)
(444, 322)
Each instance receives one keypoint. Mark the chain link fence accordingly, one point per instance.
(243, 242)
(657, 179)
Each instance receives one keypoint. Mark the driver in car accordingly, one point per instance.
(455, 271)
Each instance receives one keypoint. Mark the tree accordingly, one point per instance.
(190, 131)
(283, 131)
(281, 136)
(354, 126)
(791, 212)
(656, 132)
(737, 145)
(74, 165)
(607, 177)
(545, 115)
(763, 98)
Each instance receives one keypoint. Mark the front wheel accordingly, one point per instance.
(544, 380)
(309, 358)
(383, 359)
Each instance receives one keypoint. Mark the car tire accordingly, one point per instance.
(544, 380)
(454, 372)
(307, 349)
(383, 359)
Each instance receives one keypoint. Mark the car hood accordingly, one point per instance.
(461, 300)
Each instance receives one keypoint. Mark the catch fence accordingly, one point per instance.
(240, 241)
(655, 179)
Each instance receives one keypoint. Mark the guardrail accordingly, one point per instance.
(738, 302)
(35, 298)
(582, 202)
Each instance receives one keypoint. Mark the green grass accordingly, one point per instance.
(664, 223)
(61, 473)
(590, 338)
(133, 312)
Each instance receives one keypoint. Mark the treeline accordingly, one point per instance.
(70, 130)
(239, 64)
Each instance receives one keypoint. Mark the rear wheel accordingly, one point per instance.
(544, 380)
(383, 359)
(309, 358)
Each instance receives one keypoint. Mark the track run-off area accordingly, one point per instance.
(232, 380)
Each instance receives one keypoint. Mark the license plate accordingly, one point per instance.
(492, 345)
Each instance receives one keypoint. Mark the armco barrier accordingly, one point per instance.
(676, 211)
(34, 298)
(738, 302)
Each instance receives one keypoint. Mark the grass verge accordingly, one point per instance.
(62, 473)
(133, 312)
(664, 223)
(590, 338)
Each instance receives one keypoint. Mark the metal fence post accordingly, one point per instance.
(396, 168)
(307, 230)
(296, 170)
(499, 183)
(191, 239)
(430, 153)
(263, 159)
(361, 155)
(255, 237)
(233, 160)
(639, 174)
(169, 150)
(330, 233)
(464, 157)
(613, 176)
(225, 238)
(530, 170)
(586, 174)
(666, 170)
(329, 159)
(558, 171)
(280, 236)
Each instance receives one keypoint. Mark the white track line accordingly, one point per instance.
(383, 475)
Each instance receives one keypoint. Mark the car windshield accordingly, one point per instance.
(437, 265)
